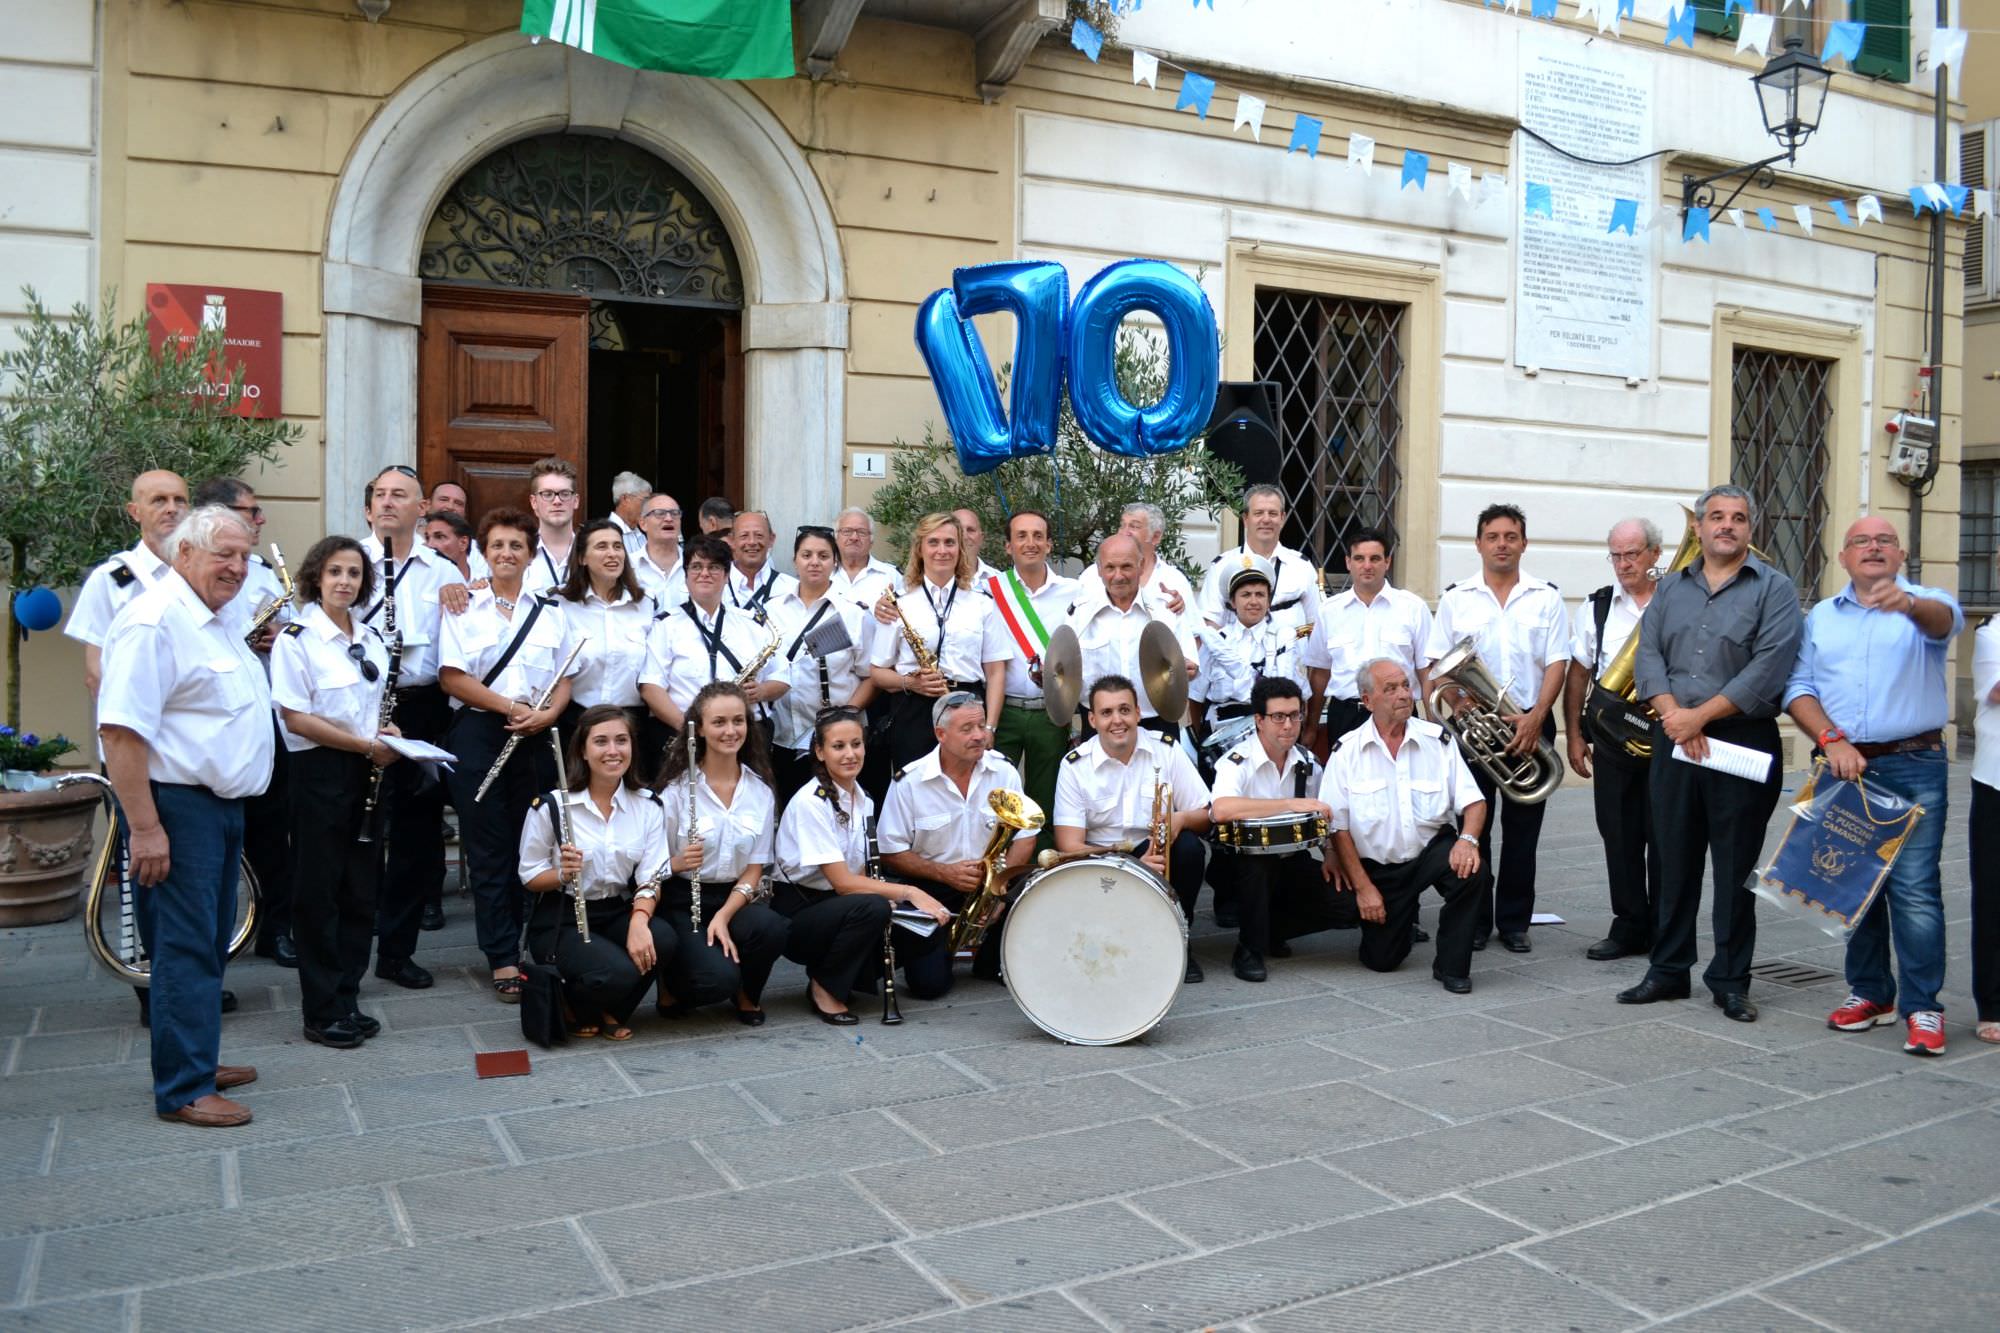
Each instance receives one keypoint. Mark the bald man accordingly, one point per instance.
(1109, 621)
(159, 502)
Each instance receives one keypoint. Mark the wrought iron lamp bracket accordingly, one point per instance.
(1699, 191)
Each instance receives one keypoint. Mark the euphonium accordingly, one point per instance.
(1483, 733)
(1012, 813)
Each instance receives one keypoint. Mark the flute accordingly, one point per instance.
(537, 705)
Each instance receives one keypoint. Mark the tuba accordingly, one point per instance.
(1482, 733)
(125, 957)
(1012, 813)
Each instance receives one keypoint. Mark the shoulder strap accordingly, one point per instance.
(1600, 610)
(520, 637)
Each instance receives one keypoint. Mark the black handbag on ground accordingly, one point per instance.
(542, 1020)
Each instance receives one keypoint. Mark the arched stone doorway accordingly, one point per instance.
(464, 107)
(581, 299)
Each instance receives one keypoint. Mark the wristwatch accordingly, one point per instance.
(1830, 735)
(650, 891)
(1467, 837)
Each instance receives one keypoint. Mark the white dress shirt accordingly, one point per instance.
(767, 585)
(313, 670)
(1518, 643)
(924, 812)
(1620, 620)
(614, 636)
(681, 657)
(734, 837)
(630, 845)
(1051, 602)
(1986, 717)
(1349, 633)
(180, 679)
(476, 567)
(973, 632)
(1245, 770)
(1112, 802)
(1392, 806)
(1296, 582)
(474, 641)
(419, 616)
(864, 590)
(1235, 656)
(1110, 638)
(545, 573)
(668, 587)
(111, 587)
(1090, 584)
(634, 538)
(792, 717)
(814, 835)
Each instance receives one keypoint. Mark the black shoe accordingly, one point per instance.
(844, 1019)
(1248, 964)
(279, 949)
(1652, 991)
(1226, 918)
(1278, 949)
(1737, 1007)
(433, 918)
(754, 1018)
(1193, 973)
(362, 1023)
(1479, 943)
(1456, 985)
(1418, 935)
(406, 974)
(1611, 947)
(1515, 941)
(341, 1034)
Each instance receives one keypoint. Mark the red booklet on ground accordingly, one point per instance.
(500, 1064)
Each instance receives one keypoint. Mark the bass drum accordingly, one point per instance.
(1094, 950)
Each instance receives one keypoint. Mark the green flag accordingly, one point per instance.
(716, 39)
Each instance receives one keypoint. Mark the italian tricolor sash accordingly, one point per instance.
(1018, 610)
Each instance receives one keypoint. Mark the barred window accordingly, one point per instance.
(1338, 365)
(1778, 451)
(1978, 533)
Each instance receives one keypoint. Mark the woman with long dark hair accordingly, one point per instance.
(604, 607)
(616, 859)
(720, 815)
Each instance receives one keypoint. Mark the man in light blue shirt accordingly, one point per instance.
(1869, 687)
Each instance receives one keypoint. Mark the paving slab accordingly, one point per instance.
(1866, 1112)
(1900, 1182)
(1927, 1271)
(384, 1157)
(1669, 1105)
(24, 1144)
(417, 1099)
(128, 1130)
(1496, 1294)
(501, 1196)
(1440, 1160)
(1745, 1314)
(1477, 1085)
(628, 1122)
(659, 1066)
(810, 1094)
(1046, 1313)
(1644, 1052)
(1005, 1258)
(1583, 1190)
(814, 1147)
(103, 1195)
(1024, 1111)
(652, 1246)
(1229, 1075)
(1277, 1126)
(1257, 1203)
(94, 1315)
(1429, 1040)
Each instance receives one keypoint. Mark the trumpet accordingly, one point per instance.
(538, 703)
(1013, 813)
(926, 659)
(1483, 733)
(269, 611)
(1160, 831)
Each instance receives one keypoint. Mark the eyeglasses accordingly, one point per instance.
(661, 513)
(1887, 542)
(359, 654)
(1621, 557)
(558, 497)
(856, 532)
(1290, 719)
(251, 512)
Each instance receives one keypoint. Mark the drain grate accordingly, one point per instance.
(1790, 974)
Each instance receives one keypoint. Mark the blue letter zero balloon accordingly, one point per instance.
(1111, 420)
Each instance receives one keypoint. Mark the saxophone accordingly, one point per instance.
(1013, 813)
(746, 679)
(926, 660)
(269, 611)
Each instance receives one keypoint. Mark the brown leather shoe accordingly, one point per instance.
(211, 1112)
(234, 1076)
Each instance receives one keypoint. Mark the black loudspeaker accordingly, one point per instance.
(1244, 429)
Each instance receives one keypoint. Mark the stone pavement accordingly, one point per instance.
(1334, 1148)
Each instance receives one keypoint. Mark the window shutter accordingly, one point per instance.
(1710, 17)
(1972, 175)
(1885, 47)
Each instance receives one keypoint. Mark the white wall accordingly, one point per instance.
(48, 154)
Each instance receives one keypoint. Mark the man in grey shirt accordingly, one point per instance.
(1715, 650)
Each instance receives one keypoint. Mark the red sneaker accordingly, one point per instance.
(1926, 1033)
(1858, 1015)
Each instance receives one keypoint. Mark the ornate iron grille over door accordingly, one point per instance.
(1338, 365)
(1778, 452)
(571, 212)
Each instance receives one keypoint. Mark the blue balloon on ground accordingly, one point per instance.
(1111, 420)
(37, 609)
(1036, 294)
(963, 379)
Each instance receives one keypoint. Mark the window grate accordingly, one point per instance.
(1978, 533)
(1338, 365)
(1778, 452)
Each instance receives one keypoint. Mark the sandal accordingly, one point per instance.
(508, 989)
(1988, 1031)
(616, 1032)
(584, 1030)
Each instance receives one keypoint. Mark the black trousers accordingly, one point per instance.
(489, 831)
(1281, 898)
(834, 936)
(1984, 835)
(1621, 790)
(926, 959)
(1511, 903)
(334, 880)
(698, 972)
(1342, 716)
(267, 845)
(911, 734)
(1185, 867)
(1695, 811)
(1159, 726)
(1384, 947)
(411, 806)
(599, 977)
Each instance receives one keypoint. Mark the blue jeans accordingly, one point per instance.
(186, 920)
(1911, 906)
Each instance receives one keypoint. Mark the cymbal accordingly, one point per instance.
(1062, 676)
(1163, 671)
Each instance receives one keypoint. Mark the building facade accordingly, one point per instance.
(490, 249)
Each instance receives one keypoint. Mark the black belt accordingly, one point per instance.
(1927, 740)
(1224, 712)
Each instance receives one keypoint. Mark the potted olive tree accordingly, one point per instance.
(85, 406)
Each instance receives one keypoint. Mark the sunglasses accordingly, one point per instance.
(815, 530)
(359, 656)
(836, 713)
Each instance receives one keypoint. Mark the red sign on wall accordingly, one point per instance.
(252, 325)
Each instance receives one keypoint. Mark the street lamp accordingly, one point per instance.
(1791, 93)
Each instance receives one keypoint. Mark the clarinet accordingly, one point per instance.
(388, 711)
(891, 1014)
(693, 832)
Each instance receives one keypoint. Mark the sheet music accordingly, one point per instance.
(1736, 760)
(411, 748)
(920, 923)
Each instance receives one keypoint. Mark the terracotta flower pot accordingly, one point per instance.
(45, 853)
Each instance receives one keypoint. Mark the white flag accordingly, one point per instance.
(1936, 194)
(1982, 203)
(1803, 212)
(1146, 70)
(1460, 177)
(1736, 216)
(1491, 186)
(1250, 111)
(1947, 47)
(1755, 34)
(1867, 206)
(1361, 153)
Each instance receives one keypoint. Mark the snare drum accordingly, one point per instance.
(1094, 950)
(1222, 737)
(1272, 835)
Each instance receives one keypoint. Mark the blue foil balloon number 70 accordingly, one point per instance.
(1082, 339)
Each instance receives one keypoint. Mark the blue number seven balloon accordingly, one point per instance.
(1110, 419)
(1037, 295)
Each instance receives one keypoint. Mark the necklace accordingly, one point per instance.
(503, 603)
